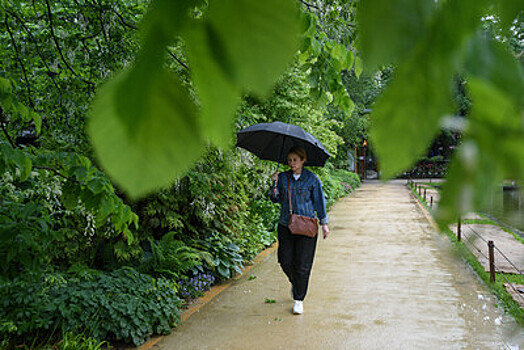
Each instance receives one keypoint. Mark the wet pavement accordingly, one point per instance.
(384, 279)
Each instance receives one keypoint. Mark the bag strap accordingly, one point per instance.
(289, 194)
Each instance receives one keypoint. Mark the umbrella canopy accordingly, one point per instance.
(272, 141)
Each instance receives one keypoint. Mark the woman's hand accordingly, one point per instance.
(325, 231)
(274, 177)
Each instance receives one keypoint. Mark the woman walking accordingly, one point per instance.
(296, 252)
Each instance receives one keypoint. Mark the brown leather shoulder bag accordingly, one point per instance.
(300, 224)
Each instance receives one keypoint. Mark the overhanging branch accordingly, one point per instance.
(55, 40)
(8, 137)
(177, 59)
(19, 59)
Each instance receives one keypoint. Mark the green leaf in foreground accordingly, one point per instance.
(406, 117)
(218, 95)
(259, 39)
(145, 130)
(240, 45)
(164, 19)
(395, 24)
(161, 149)
(493, 149)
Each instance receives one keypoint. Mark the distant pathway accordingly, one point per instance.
(384, 279)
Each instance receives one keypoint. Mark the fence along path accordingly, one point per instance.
(384, 279)
(507, 255)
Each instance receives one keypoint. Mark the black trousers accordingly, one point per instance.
(295, 255)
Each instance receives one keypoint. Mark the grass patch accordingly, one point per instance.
(479, 222)
(420, 199)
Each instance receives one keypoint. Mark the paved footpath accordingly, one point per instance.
(384, 279)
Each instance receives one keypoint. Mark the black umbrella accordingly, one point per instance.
(272, 141)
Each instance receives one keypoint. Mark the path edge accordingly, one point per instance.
(211, 294)
(508, 303)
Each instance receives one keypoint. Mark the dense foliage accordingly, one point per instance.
(80, 261)
(121, 305)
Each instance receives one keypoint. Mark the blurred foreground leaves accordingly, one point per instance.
(431, 43)
(145, 129)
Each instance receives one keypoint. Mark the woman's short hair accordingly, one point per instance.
(299, 151)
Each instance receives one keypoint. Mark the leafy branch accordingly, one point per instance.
(7, 136)
(309, 6)
(123, 21)
(37, 47)
(177, 59)
(54, 171)
(59, 49)
(22, 66)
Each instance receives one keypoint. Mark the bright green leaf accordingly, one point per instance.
(25, 113)
(390, 28)
(25, 170)
(492, 61)
(340, 53)
(309, 23)
(163, 148)
(37, 118)
(358, 67)
(316, 47)
(406, 118)
(96, 185)
(259, 39)
(347, 105)
(218, 95)
(161, 23)
(492, 151)
(5, 88)
(129, 237)
(350, 59)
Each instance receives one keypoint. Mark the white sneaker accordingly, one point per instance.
(298, 308)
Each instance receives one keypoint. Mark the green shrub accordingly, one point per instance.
(254, 237)
(226, 255)
(337, 183)
(172, 258)
(121, 305)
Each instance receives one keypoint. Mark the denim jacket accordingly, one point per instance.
(307, 196)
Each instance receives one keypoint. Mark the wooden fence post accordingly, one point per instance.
(459, 233)
(491, 247)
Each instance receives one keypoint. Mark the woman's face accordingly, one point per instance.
(295, 162)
